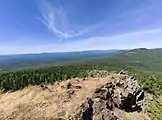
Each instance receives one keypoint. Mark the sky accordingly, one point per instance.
(38, 26)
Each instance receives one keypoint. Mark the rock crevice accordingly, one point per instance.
(107, 102)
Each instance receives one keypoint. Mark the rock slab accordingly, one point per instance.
(124, 93)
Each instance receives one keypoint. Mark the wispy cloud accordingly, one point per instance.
(148, 39)
(57, 21)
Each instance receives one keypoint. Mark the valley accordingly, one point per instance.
(32, 90)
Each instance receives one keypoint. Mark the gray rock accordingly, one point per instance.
(85, 112)
(108, 100)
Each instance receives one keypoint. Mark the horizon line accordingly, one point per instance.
(35, 53)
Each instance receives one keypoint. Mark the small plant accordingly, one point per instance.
(155, 109)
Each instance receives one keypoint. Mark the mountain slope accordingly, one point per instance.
(144, 58)
(46, 102)
(15, 62)
(147, 59)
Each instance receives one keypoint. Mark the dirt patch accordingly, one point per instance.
(46, 102)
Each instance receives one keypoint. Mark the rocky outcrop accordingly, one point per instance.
(107, 102)
(98, 73)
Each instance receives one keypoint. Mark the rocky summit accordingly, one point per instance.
(110, 100)
(113, 96)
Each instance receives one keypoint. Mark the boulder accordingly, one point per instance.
(124, 93)
(85, 111)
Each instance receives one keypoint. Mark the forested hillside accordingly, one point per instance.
(142, 63)
(35, 61)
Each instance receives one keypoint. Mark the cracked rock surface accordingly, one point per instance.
(107, 102)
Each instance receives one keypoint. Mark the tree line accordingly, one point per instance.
(20, 79)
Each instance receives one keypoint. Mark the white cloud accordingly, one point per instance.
(57, 21)
(148, 39)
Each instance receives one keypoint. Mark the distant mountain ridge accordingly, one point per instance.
(21, 60)
(14, 62)
(57, 55)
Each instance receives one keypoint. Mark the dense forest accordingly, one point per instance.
(20, 79)
(144, 65)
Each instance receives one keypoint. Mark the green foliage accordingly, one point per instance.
(145, 64)
(20, 79)
(151, 83)
(155, 109)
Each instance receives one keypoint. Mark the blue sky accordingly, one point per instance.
(35, 26)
